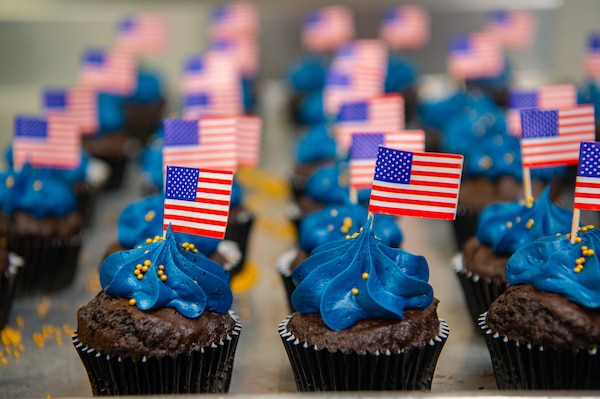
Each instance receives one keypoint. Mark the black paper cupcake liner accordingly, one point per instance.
(522, 366)
(283, 267)
(8, 281)
(320, 370)
(143, 119)
(238, 231)
(464, 225)
(479, 292)
(206, 371)
(86, 202)
(50, 263)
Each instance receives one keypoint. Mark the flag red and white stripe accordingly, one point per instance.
(143, 33)
(52, 141)
(422, 184)
(365, 146)
(210, 142)
(405, 27)
(592, 55)
(197, 201)
(587, 182)
(233, 19)
(475, 56)
(248, 131)
(109, 71)
(552, 137)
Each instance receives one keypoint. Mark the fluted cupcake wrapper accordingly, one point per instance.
(479, 292)
(285, 272)
(238, 230)
(86, 202)
(206, 371)
(50, 263)
(464, 225)
(320, 370)
(521, 366)
(8, 281)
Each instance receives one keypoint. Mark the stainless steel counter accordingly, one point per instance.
(261, 366)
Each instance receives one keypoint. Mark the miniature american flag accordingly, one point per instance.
(552, 137)
(377, 114)
(109, 71)
(405, 27)
(51, 141)
(370, 53)
(560, 96)
(587, 182)
(515, 29)
(209, 142)
(423, 184)
(365, 146)
(328, 28)
(243, 51)
(197, 201)
(211, 86)
(142, 33)
(248, 131)
(592, 55)
(475, 56)
(233, 19)
(78, 102)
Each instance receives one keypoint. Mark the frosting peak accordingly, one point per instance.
(360, 278)
(158, 275)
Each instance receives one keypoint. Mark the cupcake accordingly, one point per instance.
(333, 222)
(543, 331)
(366, 319)
(41, 224)
(502, 228)
(144, 109)
(163, 327)
(142, 220)
(304, 76)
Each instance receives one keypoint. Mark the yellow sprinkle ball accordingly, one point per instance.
(163, 277)
(590, 252)
(529, 224)
(354, 291)
(348, 237)
(138, 266)
(148, 240)
(365, 275)
(149, 216)
(137, 272)
(509, 224)
(9, 182)
(140, 276)
(132, 301)
(145, 269)
(37, 185)
(160, 272)
(578, 239)
(147, 262)
(579, 261)
(161, 267)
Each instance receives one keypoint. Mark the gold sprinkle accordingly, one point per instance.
(195, 251)
(137, 272)
(17, 354)
(161, 267)
(138, 266)
(348, 237)
(365, 275)
(9, 182)
(330, 227)
(132, 301)
(149, 216)
(148, 240)
(529, 224)
(160, 272)
(583, 229)
(145, 269)
(590, 252)
(578, 239)
(578, 269)
(509, 224)
(344, 229)
(579, 261)
(20, 321)
(354, 291)
(163, 277)
(37, 185)
(518, 219)
(140, 276)
(334, 212)
(4, 361)
(147, 262)
(139, 246)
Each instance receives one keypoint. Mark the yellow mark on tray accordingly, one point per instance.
(245, 278)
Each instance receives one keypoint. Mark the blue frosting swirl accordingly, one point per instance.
(308, 73)
(549, 264)
(310, 110)
(315, 144)
(149, 87)
(506, 226)
(402, 73)
(589, 93)
(189, 287)
(143, 219)
(111, 113)
(328, 184)
(335, 222)
(36, 191)
(360, 278)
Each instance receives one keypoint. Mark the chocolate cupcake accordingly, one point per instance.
(503, 227)
(366, 319)
(41, 224)
(163, 327)
(543, 331)
(144, 109)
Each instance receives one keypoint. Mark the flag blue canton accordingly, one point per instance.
(594, 41)
(196, 99)
(221, 44)
(393, 166)
(180, 132)
(194, 64)
(499, 16)
(366, 145)
(460, 43)
(31, 127)
(94, 57)
(313, 17)
(220, 12)
(589, 160)
(539, 123)
(522, 99)
(127, 24)
(181, 183)
(392, 14)
(353, 112)
(55, 98)
(346, 50)
(337, 79)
